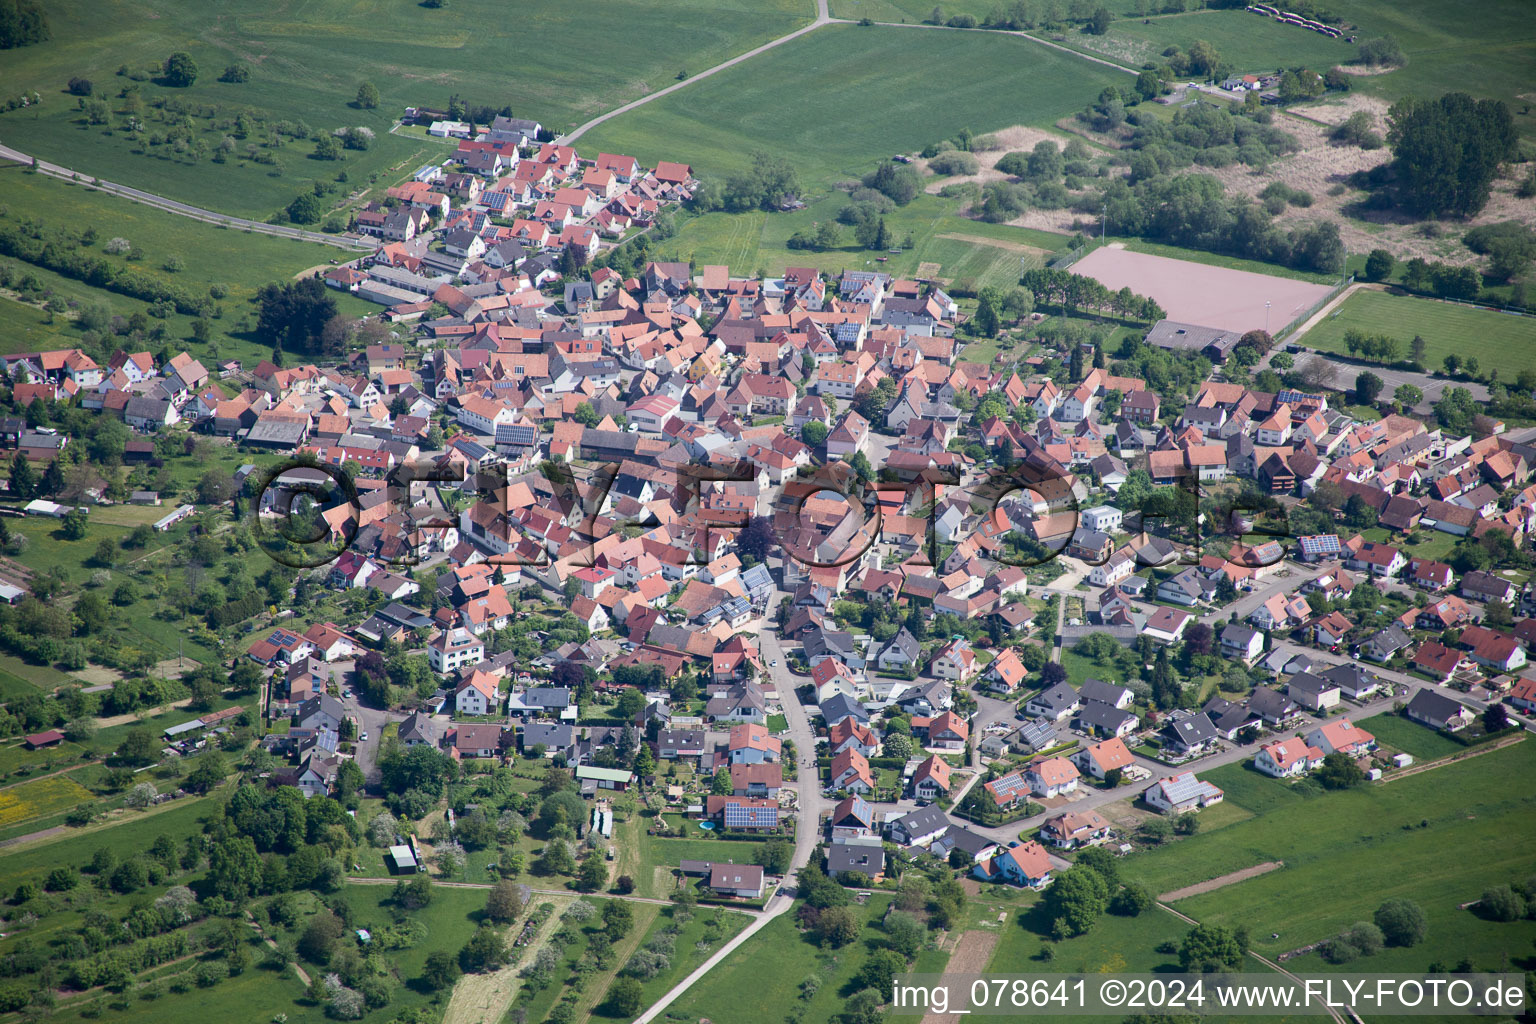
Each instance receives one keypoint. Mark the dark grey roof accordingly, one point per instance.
(1098, 690)
(1238, 635)
(1310, 684)
(1056, 699)
(1271, 703)
(419, 726)
(1192, 731)
(1434, 706)
(906, 643)
(849, 857)
(1352, 677)
(840, 706)
(961, 838)
(548, 697)
(1171, 334)
(923, 821)
(553, 735)
(1098, 715)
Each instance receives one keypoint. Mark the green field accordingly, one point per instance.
(915, 11)
(1486, 49)
(1400, 733)
(763, 977)
(1500, 341)
(559, 63)
(846, 96)
(1370, 836)
(967, 253)
(1248, 42)
(239, 262)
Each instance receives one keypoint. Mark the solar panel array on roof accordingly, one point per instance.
(739, 816)
(1008, 784)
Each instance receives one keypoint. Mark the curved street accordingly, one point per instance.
(183, 209)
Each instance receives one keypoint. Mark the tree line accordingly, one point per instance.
(1074, 293)
(33, 243)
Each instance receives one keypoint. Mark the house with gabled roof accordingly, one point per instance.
(920, 827)
(931, 780)
(1076, 829)
(1313, 692)
(851, 771)
(1054, 776)
(853, 816)
(1287, 758)
(1099, 759)
(944, 731)
(1438, 711)
(478, 694)
(1055, 702)
(1026, 865)
(1343, 736)
(1182, 793)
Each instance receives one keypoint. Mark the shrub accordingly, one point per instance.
(954, 162)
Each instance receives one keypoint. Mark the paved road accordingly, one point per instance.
(822, 18)
(808, 796)
(183, 209)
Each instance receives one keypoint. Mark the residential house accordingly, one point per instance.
(1438, 711)
(1182, 793)
(1287, 758)
(1052, 777)
(1343, 736)
(1099, 759)
(1076, 829)
(1024, 865)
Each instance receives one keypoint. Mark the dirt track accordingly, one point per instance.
(484, 998)
(1221, 881)
(970, 957)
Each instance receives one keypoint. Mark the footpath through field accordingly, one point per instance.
(822, 18)
(1222, 881)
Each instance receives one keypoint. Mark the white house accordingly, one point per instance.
(1182, 792)
(1287, 758)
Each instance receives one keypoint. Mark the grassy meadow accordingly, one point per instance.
(559, 63)
(1501, 341)
(1486, 49)
(965, 253)
(1248, 42)
(1374, 836)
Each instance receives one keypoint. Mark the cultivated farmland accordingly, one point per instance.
(38, 799)
(858, 94)
(969, 254)
(306, 62)
(1500, 341)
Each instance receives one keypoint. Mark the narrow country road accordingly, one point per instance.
(822, 18)
(182, 209)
